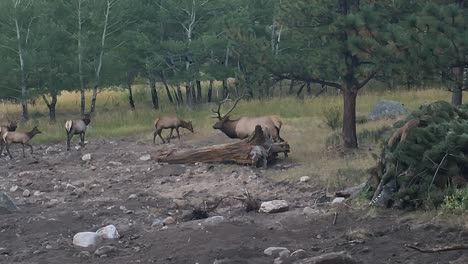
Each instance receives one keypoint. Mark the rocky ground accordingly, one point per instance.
(59, 195)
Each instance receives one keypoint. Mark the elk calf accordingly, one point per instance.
(11, 127)
(73, 127)
(19, 138)
(172, 123)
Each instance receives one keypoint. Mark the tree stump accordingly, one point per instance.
(255, 150)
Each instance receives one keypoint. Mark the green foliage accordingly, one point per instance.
(429, 158)
(333, 118)
(457, 202)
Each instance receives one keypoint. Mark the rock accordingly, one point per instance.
(77, 147)
(311, 211)
(213, 220)
(280, 260)
(86, 239)
(108, 232)
(84, 254)
(145, 157)
(93, 168)
(104, 250)
(387, 108)
(48, 247)
(338, 200)
(329, 258)
(7, 205)
(37, 193)
(86, 157)
(169, 221)
(14, 188)
(298, 254)
(275, 206)
(358, 234)
(26, 193)
(132, 196)
(115, 163)
(51, 150)
(4, 251)
(157, 223)
(277, 252)
(304, 179)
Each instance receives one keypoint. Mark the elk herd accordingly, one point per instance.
(240, 128)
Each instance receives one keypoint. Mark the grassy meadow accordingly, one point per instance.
(304, 128)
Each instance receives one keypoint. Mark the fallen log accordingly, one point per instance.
(255, 150)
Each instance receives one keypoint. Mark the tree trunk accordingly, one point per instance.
(80, 62)
(24, 102)
(210, 91)
(168, 92)
(349, 118)
(52, 106)
(300, 90)
(188, 94)
(225, 89)
(253, 151)
(93, 99)
(179, 94)
(291, 87)
(457, 96)
(130, 96)
(309, 88)
(199, 91)
(154, 93)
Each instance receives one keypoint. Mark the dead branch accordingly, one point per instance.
(438, 249)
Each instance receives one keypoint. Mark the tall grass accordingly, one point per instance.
(303, 128)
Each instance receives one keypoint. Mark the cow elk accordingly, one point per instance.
(22, 138)
(243, 127)
(170, 122)
(11, 127)
(73, 127)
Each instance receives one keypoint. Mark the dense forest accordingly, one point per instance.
(47, 47)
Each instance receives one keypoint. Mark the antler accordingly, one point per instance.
(234, 106)
(217, 112)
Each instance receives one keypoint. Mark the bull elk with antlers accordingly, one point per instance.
(243, 127)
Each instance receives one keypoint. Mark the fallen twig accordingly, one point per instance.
(334, 219)
(439, 249)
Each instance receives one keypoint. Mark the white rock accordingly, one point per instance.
(145, 157)
(338, 200)
(115, 163)
(310, 211)
(86, 157)
(277, 252)
(77, 147)
(86, 239)
(299, 254)
(132, 196)
(14, 188)
(304, 179)
(37, 193)
(169, 221)
(6, 204)
(213, 220)
(26, 193)
(93, 168)
(51, 150)
(108, 232)
(275, 206)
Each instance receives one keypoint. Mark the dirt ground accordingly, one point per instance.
(68, 195)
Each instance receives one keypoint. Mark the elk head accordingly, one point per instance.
(223, 118)
(12, 125)
(86, 118)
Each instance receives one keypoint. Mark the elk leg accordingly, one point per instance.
(3, 146)
(24, 155)
(178, 135)
(8, 150)
(29, 145)
(82, 135)
(154, 136)
(159, 133)
(170, 135)
(69, 137)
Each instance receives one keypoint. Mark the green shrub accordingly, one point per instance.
(457, 202)
(360, 120)
(332, 117)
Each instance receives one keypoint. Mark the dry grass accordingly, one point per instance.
(303, 125)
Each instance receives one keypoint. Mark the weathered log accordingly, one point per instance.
(255, 150)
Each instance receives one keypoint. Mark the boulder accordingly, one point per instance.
(213, 220)
(86, 157)
(275, 206)
(6, 204)
(304, 179)
(145, 157)
(86, 239)
(108, 232)
(387, 108)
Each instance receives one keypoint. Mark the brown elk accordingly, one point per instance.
(243, 127)
(170, 122)
(11, 127)
(73, 127)
(22, 138)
